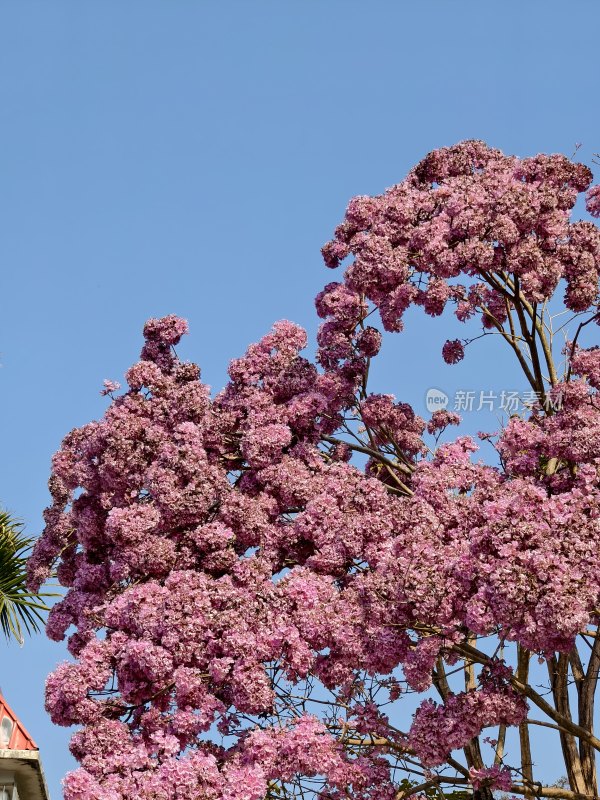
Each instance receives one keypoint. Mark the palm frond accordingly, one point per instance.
(20, 609)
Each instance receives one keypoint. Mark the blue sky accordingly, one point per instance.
(192, 157)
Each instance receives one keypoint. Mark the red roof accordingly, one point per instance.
(18, 739)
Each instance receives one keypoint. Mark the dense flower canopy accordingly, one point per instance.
(248, 606)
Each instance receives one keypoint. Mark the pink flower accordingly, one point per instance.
(496, 777)
(593, 201)
(441, 419)
(110, 386)
(453, 351)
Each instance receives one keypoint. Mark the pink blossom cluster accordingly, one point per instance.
(460, 719)
(227, 565)
(495, 777)
(171, 517)
(464, 212)
(593, 201)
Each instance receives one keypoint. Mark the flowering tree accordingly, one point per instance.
(254, 612)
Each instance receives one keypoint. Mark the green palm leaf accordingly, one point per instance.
(20, 609)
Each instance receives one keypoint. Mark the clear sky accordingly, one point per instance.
(192, 156)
